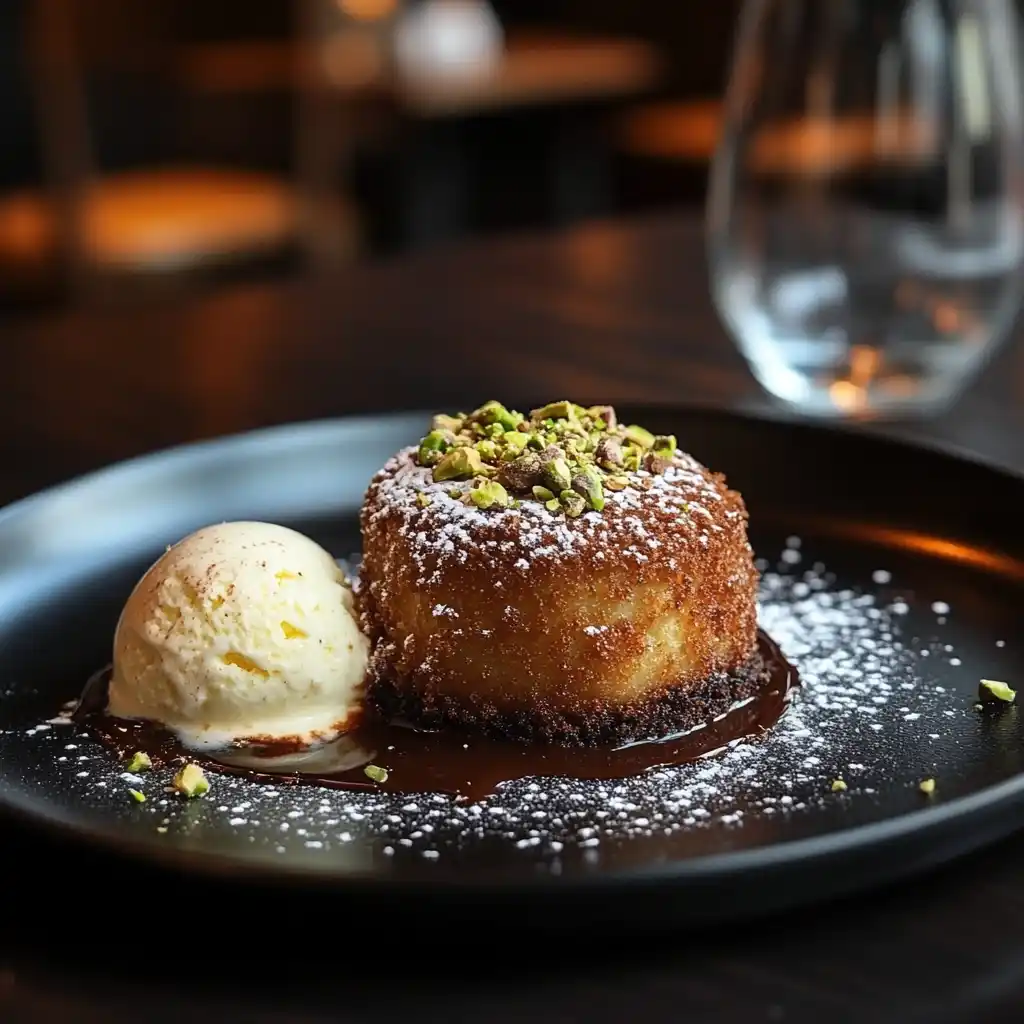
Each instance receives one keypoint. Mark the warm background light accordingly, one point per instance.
(368, 10)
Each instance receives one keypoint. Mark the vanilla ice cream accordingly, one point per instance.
(241, 631)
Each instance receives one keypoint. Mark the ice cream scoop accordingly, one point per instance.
(241, 631)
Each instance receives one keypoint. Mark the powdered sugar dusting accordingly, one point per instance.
(530, 531)
(864, 684)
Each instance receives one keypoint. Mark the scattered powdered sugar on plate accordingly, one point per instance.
(862, 682)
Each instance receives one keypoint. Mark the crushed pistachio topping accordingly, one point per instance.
(563, 455)
(927, 787)
(991, 690)
(139, 762)
(376, 773)
(191, 781)
(138, 796)
(839, 786)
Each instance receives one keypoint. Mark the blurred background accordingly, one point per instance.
(172, 145)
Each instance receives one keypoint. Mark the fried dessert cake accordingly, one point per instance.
(556, 576)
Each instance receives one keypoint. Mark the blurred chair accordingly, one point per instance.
(167, 220)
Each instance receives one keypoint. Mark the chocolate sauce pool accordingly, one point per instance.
(468, 766)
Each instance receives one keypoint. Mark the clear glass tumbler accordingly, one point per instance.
(866, 211)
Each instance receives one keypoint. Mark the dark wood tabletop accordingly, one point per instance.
(616, 312)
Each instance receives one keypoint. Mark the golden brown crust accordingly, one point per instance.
(525, 616)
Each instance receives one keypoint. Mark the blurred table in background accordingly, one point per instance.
(608, 312)
(535, 68)
(572, 78)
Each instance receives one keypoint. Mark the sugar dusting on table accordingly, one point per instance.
(861, 680)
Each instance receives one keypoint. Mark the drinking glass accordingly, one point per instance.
(866, 212)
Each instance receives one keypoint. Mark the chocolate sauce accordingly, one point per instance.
(468, 766)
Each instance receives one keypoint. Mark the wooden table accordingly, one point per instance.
(617, 312)
(535, 68)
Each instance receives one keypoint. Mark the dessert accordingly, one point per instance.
(242, 631)
(555, 576)
(543, 594)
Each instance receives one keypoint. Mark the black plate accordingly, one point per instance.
(866, 541)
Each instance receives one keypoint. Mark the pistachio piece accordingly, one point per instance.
(521, 474)
(927, 786)
(557, 473)
(839, 786)
(561, 447)
(640, 436)
(488, 450)
(512, 420)
(459, 462)
(573, 503)
(489, 494)
(495, 413)
(631, 458)
(604, 416)
(588, 484)
(423, 499)
(553, 505)
(665, 444)
(655, 463)
(608, 453)
(554, 411)
(378, 774)
(139, 762)
(452, 424)
(574, 448)
(515, 441)
(138, 796)
(432, 448)
(191, 781)
(991, 691)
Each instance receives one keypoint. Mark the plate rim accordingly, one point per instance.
(280, 432)
(920, 823)
(811, 851)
